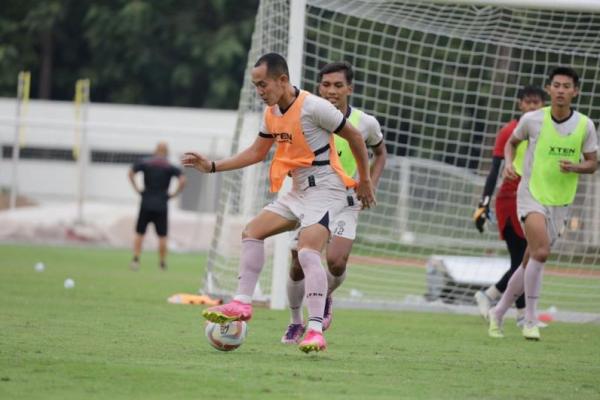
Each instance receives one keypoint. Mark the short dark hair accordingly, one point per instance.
(338, 66)
(531, 91)
(276, 64)
(566, 71)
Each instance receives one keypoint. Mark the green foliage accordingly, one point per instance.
(158, 52)
(114, 336)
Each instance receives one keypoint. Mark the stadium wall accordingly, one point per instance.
(116, 136)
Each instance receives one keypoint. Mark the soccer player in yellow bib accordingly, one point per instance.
(562, 144)
(530, 98)
(335, 85)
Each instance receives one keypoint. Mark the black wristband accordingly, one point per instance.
(213, 167)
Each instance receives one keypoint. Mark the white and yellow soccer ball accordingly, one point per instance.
(226, 337)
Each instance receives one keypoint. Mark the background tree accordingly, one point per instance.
(158, 52)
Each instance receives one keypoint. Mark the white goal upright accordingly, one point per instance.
(442, 78)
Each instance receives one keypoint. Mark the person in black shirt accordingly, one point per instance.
(158, 172)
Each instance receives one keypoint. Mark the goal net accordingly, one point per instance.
(441, 78)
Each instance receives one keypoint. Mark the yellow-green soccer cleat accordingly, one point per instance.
(531, 333)
(495, 328)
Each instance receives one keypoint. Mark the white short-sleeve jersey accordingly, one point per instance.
(370, 130)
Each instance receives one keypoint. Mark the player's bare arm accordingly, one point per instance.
(378, 164)
(181, 180)
(364, 191)
(253, 154)
(133, 182)
(589, 165)
(509, 155)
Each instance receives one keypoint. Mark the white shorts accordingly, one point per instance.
(556, 216)
(344, 225)
(346, 221)
(311, 205)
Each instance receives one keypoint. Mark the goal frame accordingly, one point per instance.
(435, 215)
(278, 298)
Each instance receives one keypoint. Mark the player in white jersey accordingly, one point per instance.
(301, 125)
(562, 144)
(335, 85)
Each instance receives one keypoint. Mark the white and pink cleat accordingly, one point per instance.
(232, 311)
(314, 341)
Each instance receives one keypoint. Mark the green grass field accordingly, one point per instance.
(114, 336)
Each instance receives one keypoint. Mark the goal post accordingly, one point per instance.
(23, 88)
(281, 251)
(442, 78)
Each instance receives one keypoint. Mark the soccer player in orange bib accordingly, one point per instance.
(302, 126)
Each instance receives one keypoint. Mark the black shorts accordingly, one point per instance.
(158, 218)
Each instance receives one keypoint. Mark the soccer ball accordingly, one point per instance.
(226, 337)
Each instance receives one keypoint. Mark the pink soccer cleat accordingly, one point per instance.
(314, 341)
(328, 313)
(232, 311)
(293, 334)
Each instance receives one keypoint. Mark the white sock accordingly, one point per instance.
(315, 286)
(252, 258)
(492, 293)
(514, 289)
(533, 285)
(315, 326)
(295, 293)
(242, 298)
